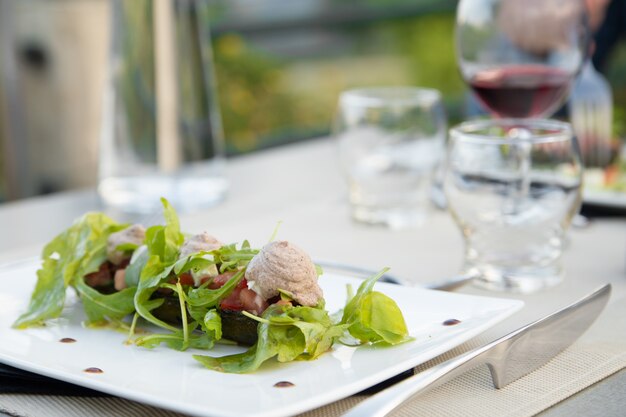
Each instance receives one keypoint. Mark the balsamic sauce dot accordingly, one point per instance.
(451, 322)
(94, 370)
(284, 384)
(67, 340)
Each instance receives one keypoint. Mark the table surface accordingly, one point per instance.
(301, 186)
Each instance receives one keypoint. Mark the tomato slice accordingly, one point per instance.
(233, 301)
(101, 277)
(186, 279)
(219, 280)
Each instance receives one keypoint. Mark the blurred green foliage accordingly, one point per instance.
(272, 95)
(256, 107)
(615, 74)
(268, 99)
(428, 44)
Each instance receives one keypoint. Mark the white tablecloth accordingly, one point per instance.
(301, 186)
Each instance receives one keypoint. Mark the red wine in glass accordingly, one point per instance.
(521, 91)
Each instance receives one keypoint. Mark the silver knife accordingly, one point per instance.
(509, 358)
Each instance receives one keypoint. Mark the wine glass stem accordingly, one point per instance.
(521, 154)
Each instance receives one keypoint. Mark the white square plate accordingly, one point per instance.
(174, 380)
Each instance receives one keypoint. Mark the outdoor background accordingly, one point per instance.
(280, 66)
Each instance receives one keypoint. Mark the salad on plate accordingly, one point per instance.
(196, 291)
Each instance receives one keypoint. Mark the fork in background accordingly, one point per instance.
(591, 115)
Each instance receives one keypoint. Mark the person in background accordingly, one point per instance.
(607, 19)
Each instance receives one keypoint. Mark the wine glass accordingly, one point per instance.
(521, 57)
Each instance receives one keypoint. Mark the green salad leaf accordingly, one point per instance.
(284, 332)
(74, 253)
(127, 247)
(372, 317)
(163, 242)
(159, 268)
(196, 301)
(212, 324)
(176, 340)
(137, 264)
(48, 297)
(208, 298)
(103, 307)
(229, 257)
(156, 276)
(289, 333)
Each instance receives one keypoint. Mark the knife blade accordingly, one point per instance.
(509, 358)
(446, 284)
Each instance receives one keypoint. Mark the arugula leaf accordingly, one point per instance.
(199, 301)
(247, 361)
(71, 255)
(152, 276)
(288, 342)
(205, 297)
(165, 241)
(287, 333)
(163, 244)
(137, 263)
(230, 258)
(48, 297)
(197, 261)
(371, 316)
(176, 340)
(212, 324)
(183, 314)
(155, 274)
(127, 247)
(304, 333)
(318, 329)
(103, 307)
(173, 236)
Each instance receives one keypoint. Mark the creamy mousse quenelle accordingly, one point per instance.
(282, 265)
(202, 242)
(133, 235)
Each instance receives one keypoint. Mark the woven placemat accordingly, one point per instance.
(471, 394)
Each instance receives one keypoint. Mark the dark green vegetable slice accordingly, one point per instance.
(238, 328)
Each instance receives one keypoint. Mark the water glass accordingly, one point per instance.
(390, 140)
(162, 133)
(513, 187)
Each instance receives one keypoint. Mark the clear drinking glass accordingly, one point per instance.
(162, 133)
(390, 140)
(513, 187)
